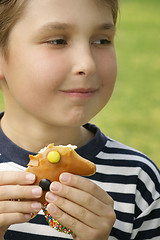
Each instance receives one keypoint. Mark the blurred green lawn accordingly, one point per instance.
(133, 114)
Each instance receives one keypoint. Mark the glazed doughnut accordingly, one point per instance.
(51, 161)
(48, 164)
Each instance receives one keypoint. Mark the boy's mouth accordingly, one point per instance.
(80, 92)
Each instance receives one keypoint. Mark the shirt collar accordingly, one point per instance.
(14, 153)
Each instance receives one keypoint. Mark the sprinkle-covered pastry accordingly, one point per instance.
(51, 161)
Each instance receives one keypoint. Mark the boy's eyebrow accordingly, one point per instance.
(55, 26)
(67, 26)
(106, 26)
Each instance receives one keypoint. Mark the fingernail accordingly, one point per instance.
(27, 216)
(55, 186)
(51, 197)
(30, 176)
(51, 208)
(37, 191)
(64, 177)
(36, 206)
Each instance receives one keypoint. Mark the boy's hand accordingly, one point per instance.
(82, 206)
(16, 185)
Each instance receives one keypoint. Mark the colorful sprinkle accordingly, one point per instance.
(54, 223)
(53, 157)
(33, 215)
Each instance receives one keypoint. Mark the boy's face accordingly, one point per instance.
(61, 67)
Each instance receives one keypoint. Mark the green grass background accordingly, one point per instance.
(133, 114)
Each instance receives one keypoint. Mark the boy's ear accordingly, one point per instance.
(1, 75)
(1, 68)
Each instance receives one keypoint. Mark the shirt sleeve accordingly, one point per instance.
(146, 224)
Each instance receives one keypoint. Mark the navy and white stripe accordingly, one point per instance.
(129, 177)
(133, 181)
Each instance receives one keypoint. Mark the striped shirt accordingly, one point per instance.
(127, 175)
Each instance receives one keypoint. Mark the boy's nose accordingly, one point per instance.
(84, 62)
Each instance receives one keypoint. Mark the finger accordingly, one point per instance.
(88, 218)
(21, 207)
(12, 178)
(86, 185)
(68, 221)
(13, 218)
(79, 197)
(19, 192)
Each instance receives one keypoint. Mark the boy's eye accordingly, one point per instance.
(102, 42)
(57, 42)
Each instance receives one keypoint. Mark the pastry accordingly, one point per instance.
(48, 164)
(51, 161)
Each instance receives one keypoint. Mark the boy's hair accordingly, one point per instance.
(11, 11)
(114, 5)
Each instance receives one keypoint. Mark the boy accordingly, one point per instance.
(58, 70)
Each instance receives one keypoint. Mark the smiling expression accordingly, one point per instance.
(61, 67)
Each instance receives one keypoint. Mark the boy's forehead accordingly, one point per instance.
(62, 5)
(52, 10)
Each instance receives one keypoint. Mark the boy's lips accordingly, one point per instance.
(80, 92)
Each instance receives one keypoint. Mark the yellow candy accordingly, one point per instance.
(53, 157)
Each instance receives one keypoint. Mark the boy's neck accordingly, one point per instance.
(34, 139)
